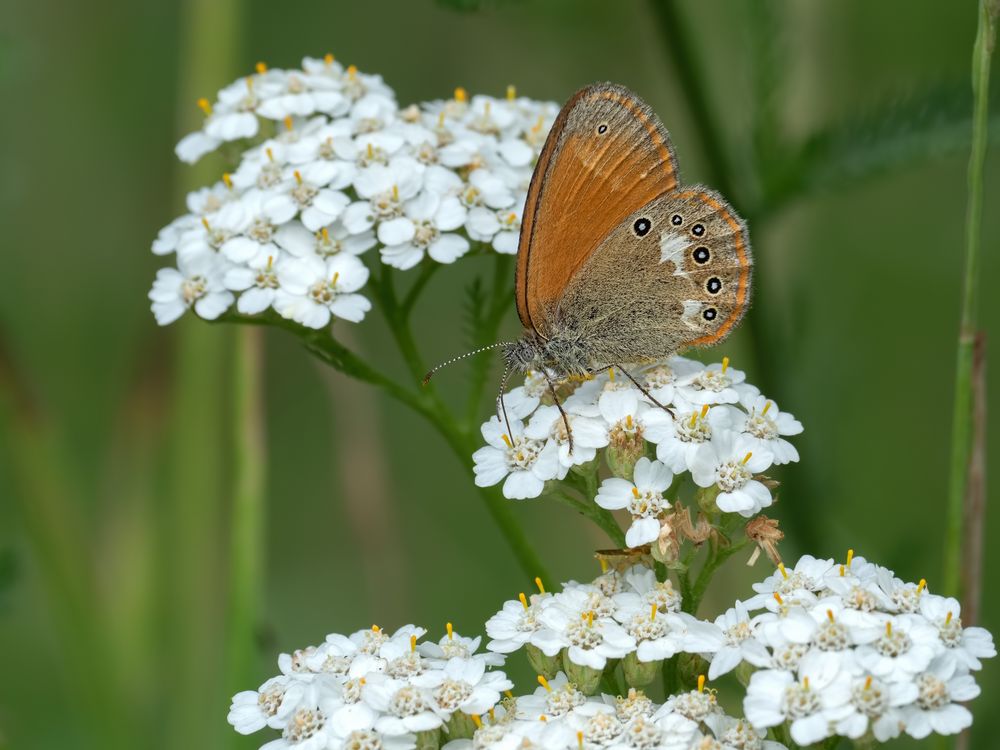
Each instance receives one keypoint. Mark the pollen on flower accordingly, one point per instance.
(205, 106)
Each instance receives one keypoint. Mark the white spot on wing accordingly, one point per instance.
(692, 309)
(672, 247)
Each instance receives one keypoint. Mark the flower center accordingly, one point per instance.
(270, 175)
(405, 666)
(372, 155)
(266, 279)
(869, 697)
(951, 632)
(425, 233)
(906, 599)
(633, 705)
(363, 739)
(386, 205)
(658, 377)
(736, 634)
(647, 504)
(352, 690)
(789, 656)
(644, 628)
(426, 153)
(933, 692)
(323, 292)
(373, 641)
(893, 643)
(450, 694)
(800, 701)
(564, 699)
(762, 426)
(861, 599)
(583, 634)
(609, 583)
(336, 664)
(453, 647)
(664, 597)
(269, 701)
(692, 428)
(732, 476)
(602, 728)
(643, 734)
(742, 736)
(833, 636)
(522, 453)
(303, 194)
(712, 380)
(304, 724)
(695, 705)
(193, 289)
(488, 736)
(261, 230)
(407, 702)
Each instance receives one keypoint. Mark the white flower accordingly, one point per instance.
(426, 227)
(733, 642)
(315, 190)
(270, 705)
(501, 227)
(677, 437)
(311, 290)
(525, 463)
(905, 648)
(659, 378)
(876, 704)
(404, 708)
(965, 645)
(643, 498)
(937, 709)
(252, 221)
(353, 728)
(767, 425)
(517, 624)
(590, 640)
(196, 282)
(523, 400)
(455, 646)
(729, 463)
(258, 282)
(555, 698)
(327, 242)
(383, 189)
(463, 685)
(645, 590)
(588, 434)
(715, 384)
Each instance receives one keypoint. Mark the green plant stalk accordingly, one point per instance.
(323, 346)
(601, 517)
(246, 545)
(961, 441)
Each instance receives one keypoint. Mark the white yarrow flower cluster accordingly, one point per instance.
(851, 650)
(719, 431)
(372, 690)
(329, 168)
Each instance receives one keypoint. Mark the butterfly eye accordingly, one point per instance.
(709, 313)
(676, 220)
(701, 255)
(698, 230)
(642, 227)
(602, 128)
(713, 285)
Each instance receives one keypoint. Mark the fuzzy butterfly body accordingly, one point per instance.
(617, 262)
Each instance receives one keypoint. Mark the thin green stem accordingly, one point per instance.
(246, 554)
(961, 443)
(427, 271)
(717, 556)
(498, 306)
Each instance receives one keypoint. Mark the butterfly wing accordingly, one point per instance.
(606, 154)
(672, 275)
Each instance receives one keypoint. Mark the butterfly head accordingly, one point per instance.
(561, 355)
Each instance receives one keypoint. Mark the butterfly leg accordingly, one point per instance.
(645, 392)
(501, 407)
(562, 412)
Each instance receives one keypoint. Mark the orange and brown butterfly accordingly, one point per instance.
(618, 263)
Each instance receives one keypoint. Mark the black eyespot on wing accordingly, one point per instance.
(602, 128)
(698, 230)
(676, 220)
(709, 313)
(642, 226)
(701, 255)
(713, 285)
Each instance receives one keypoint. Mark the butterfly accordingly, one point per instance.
(618, 262)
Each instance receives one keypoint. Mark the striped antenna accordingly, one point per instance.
(453, 360)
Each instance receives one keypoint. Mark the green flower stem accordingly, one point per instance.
(717, 556)
(426, 273)
(246, 553)
(322, 345)
(600, 516)
(961, 444)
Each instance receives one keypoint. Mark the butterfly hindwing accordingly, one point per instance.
(674, 274)
(606, 154)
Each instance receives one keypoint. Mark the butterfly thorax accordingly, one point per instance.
(561, 355)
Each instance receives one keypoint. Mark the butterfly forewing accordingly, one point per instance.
(606, 154)
(674, 274)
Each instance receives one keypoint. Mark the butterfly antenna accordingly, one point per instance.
(453, 360)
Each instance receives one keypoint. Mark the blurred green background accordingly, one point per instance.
(117, 471)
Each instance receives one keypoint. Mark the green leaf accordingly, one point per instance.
(930, 125)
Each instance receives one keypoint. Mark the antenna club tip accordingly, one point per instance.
(427, 378)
